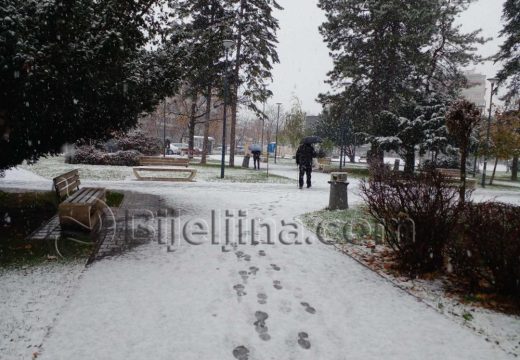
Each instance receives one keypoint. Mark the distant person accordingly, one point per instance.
(256, 159)
(304, 156)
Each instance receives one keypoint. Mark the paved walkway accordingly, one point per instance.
(266, 300)
(247, 301)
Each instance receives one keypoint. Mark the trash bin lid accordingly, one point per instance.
(338, 176)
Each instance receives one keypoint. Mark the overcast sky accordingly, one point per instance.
(304, 58)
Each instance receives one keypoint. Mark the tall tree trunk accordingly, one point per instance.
(514, 169)
(463, 157)
(494, 171)
(193, 121)
(409, 161)
(205, 144)
(234, 95)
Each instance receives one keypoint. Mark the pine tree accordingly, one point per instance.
(76, 69)
(206, 23)
(255, 53)
(510, 54)
(510, 50)
(394, 54)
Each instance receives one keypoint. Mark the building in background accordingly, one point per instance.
(310, 123)
(476, 90)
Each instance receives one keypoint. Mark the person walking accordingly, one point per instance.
(304, 156)
(256, 159)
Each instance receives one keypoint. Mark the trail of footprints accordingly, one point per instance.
(241, 352)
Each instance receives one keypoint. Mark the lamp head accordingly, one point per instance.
(227, 44)
(493, 81)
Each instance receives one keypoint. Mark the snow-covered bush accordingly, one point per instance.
(123, 158)
(486, 251)
(93, 156)
(137, 140)
(418, 213)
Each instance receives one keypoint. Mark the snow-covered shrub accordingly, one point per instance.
(418, 213)
(86, 155)
(486, 251)
(123, 158)
(137, 140)
(93, 156)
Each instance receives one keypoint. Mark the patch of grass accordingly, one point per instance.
(357, 171)
(467, 316)
(20, 215)
(342, 226)
(114, 199)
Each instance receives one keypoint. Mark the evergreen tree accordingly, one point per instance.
(510, 50)
(255, 52)
(206, 23)
(76, 69)
(510, 54)
(394, 54)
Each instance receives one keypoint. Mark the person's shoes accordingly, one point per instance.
(301, 187)
(308, 186)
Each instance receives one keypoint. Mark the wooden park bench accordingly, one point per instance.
(453, 175)
(80, 208)
(139, 170)
(163, 161)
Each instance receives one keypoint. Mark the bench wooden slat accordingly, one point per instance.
(82, 207)
(168, 161)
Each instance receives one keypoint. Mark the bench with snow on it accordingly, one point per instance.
(80, 208)
(163, 161)
(139, 170)
(453, 176)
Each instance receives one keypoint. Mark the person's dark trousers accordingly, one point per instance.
(305, 170)
(256, 162)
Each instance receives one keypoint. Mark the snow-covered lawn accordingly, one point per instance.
(31, 299)
(276, 301)
(53, 166)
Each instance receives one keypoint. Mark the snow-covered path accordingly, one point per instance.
(264, 301)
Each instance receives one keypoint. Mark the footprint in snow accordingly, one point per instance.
(277, 285)
(303, 340)
(262, 298)
(253, 270)
(241, 353)
(239, 288)
(275, 267)
(243, 274)
(260, 326)
(247, 257)
(308, 308)
(261, 253)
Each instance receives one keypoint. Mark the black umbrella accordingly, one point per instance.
(311, 140)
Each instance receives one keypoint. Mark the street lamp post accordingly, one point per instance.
(493, 82)
(164, 128)
(263, 125)
(276, 136)
(227, 45)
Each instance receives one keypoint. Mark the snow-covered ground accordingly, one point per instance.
(31, 299)
(266, 301)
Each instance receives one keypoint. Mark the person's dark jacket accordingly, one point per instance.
(305, 154)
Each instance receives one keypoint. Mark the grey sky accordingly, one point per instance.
(304, 59)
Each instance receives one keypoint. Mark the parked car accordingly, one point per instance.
(173, 150)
